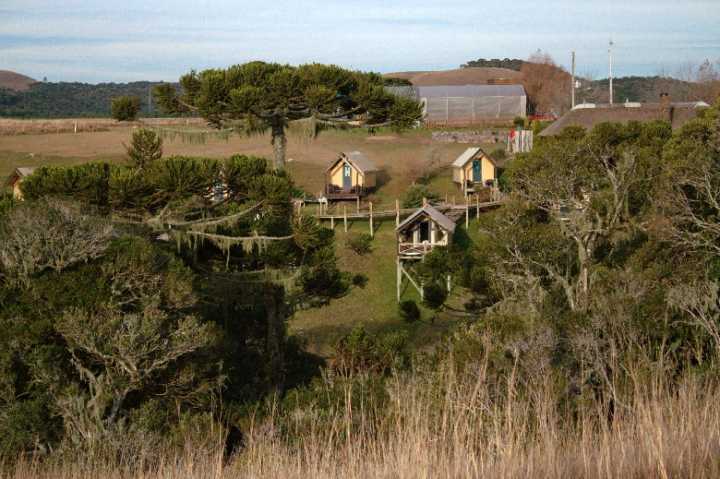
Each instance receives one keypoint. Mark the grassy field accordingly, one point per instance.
(403, 158)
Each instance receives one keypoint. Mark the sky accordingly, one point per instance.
(128, 40)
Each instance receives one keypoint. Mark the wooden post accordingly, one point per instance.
(425, 202)
(399, 279)
(467, 216)
(358, 204)
(372, 229)
(345, 216)
(448, 283)
(397, 213)
(332, 222)
(477, 205)
(453, 199)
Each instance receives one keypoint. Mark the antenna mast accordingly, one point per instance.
(611, 72)
(573, 80)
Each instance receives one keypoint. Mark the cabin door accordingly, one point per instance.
(477, 171)
(425, 231)
(347, 177)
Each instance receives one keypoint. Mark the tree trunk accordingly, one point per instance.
(279, 142)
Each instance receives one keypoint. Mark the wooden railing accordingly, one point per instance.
(415, 249)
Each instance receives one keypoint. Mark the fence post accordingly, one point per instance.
(358, 204)
(345, 216)
(397, 213)
(372, 229)
(332, 222)
(477, 204)
(467, 216)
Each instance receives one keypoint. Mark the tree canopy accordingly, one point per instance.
(258, 97)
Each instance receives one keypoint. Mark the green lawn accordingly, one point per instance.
(375, 306)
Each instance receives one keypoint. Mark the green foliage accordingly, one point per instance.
(125, 108)
(145, 148)
(435, 295)
(87, 183)
(509, 63)
(361, 352)
(72, 100)
(256, 97)
(409, 311)
(361, 243)
(415, 194)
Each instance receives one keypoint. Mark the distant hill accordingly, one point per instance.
(638, 89)
(460, 76)
(15, 81)
(72, 100)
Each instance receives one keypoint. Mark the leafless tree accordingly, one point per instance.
(49, 235)
(116, 354)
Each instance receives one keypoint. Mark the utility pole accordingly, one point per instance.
(573, 79)
(611, 72)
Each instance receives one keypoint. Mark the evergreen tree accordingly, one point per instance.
(258, 97)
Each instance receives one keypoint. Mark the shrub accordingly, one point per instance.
(360, 244)
(435, 295)
(359, 280)
(415, 194)
(125, 108)
(409, 311)
(145, 148)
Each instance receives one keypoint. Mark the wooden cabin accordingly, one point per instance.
(422, 231)
(351, 176)
(473, 169)
(16, 178)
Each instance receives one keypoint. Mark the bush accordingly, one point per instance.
(125, 108)
(145, 148)
(435, 295)
(409, 311)
(359, 280)
(360, 244)
(415, 194)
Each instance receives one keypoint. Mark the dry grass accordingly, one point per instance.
(456, 428)
(10, 126)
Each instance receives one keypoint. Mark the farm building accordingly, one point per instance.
(423, 230)
(16, 178)
(352, 175)
(465, 96)
(588, 115)
(474, 167)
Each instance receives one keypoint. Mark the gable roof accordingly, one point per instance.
(587, 116)
(358, 160)
(20, 172)
(439, 218)
(471, 153)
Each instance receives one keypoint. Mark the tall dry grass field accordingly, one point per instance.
(455, 428)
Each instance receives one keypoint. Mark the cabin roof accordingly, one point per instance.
(468, 155)
(445, 222)
(358, 160)
(20, 172)
(588, 116)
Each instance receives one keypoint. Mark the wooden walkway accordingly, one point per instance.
(452, 210)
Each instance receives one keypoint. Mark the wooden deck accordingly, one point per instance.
(415, 250)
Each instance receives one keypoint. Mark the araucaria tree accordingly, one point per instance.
(257, 97)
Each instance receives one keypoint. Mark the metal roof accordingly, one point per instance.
(466, 156)
(459, 91)
(439, 218)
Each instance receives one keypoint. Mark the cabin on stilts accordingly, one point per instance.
(351, 176)
(422, 231)
(475, 170)
(418, 235)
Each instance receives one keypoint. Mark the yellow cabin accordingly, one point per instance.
(422, 231)
(16, 178)
(351, 176)
(474, 167)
